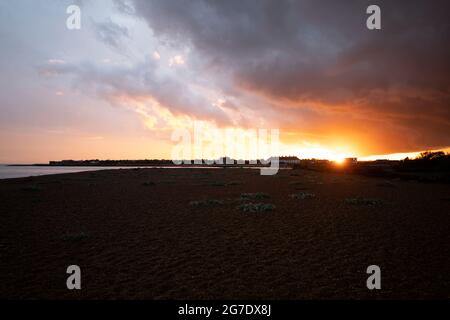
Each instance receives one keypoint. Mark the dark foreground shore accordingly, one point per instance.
(184, 234)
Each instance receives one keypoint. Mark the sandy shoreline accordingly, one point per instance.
(157, 234)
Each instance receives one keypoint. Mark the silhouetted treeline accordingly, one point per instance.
(427, 167)
(427, 161)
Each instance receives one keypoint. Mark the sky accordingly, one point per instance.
(138, 70)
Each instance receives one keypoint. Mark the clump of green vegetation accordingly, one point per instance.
(206, 203)
(148, 184)
(254, 196)
(256, 207)
(75, 236)
(359, 201)
(32, 188)
(302, 195)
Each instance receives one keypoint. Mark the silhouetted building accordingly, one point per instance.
(351, 160)
(291, 160)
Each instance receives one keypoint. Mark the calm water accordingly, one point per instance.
(7, 172)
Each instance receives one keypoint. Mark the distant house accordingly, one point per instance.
(351, 160)
(290, 160)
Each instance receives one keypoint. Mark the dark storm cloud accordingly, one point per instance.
(319, 54)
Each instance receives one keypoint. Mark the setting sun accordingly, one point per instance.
(339, 161)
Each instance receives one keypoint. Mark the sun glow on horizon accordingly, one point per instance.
(337, 154)
(400, 155)
(340, 161)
